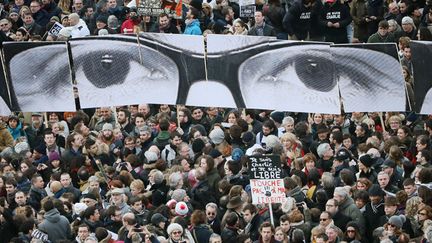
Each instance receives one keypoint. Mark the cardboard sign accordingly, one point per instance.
(173, 8)
(55, 29)
(247, 8)
(266, 179)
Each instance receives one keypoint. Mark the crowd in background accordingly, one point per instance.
(159, 173)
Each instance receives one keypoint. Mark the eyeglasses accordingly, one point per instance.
(323, 219)
(211, 213)
(392, 225)
(176, 232)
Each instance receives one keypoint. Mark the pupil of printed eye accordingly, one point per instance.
(316, 73)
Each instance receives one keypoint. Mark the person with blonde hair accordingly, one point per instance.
(291, 146)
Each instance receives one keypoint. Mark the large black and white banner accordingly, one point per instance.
(281, 75)
(234, 71)
(370, 77)
(4, 93)
(421, 52)
(39, 76)
(124, 70)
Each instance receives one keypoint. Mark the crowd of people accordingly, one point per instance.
(337, 21)
(160, 173)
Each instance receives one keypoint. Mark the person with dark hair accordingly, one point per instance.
(249, 116)
(253, 220)
(192, 22)
(55, 225)
(200, 230)
(163, 137)
(230, 232)
(374, 209)
(37, 191)
(268, 128)
(382, 35)
(267, 232)
(124, 120)
(261, 28)
(92, 218)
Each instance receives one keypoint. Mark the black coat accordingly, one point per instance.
(335, 13)
(341, 220)
(372, 218)
(201, 194)
(229, 235)
(256, 222)
(159, 193)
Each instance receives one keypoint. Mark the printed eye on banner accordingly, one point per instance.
(370, 77)
(40, 76)
(421, 52)
(156, 71)
(281, 75)
(4, 92)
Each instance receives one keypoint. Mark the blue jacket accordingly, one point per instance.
(193, 28)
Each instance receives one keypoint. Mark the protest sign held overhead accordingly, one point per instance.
(266, 179)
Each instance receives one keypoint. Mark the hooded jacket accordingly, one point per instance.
(56, 226)
(193, 28)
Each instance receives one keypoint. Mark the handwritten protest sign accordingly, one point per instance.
(247, 8)
(266, 179)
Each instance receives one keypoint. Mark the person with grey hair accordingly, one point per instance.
(379, 234)
(78, 27)
(215, 238)
(348, 207)
(158, 187)
(213, 219)
(288, 123)
(325, 154)
(113, 23)
(175, 181)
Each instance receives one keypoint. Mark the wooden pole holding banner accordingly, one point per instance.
(45, 116)
(102, 171)
(271, 214)
(382, 121)
(139, 49)
(177, 114)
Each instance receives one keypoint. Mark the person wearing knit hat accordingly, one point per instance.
(107, 127)
(409, 28)
(366, 170)
(396, 221)
(374, 209)
(271, 141)
(175, 232)
(217, 135)
(158, 220)
(181, 209)
(248, 138)
(21, 147)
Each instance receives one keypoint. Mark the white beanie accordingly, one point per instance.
(181, 209)
(174, 226)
